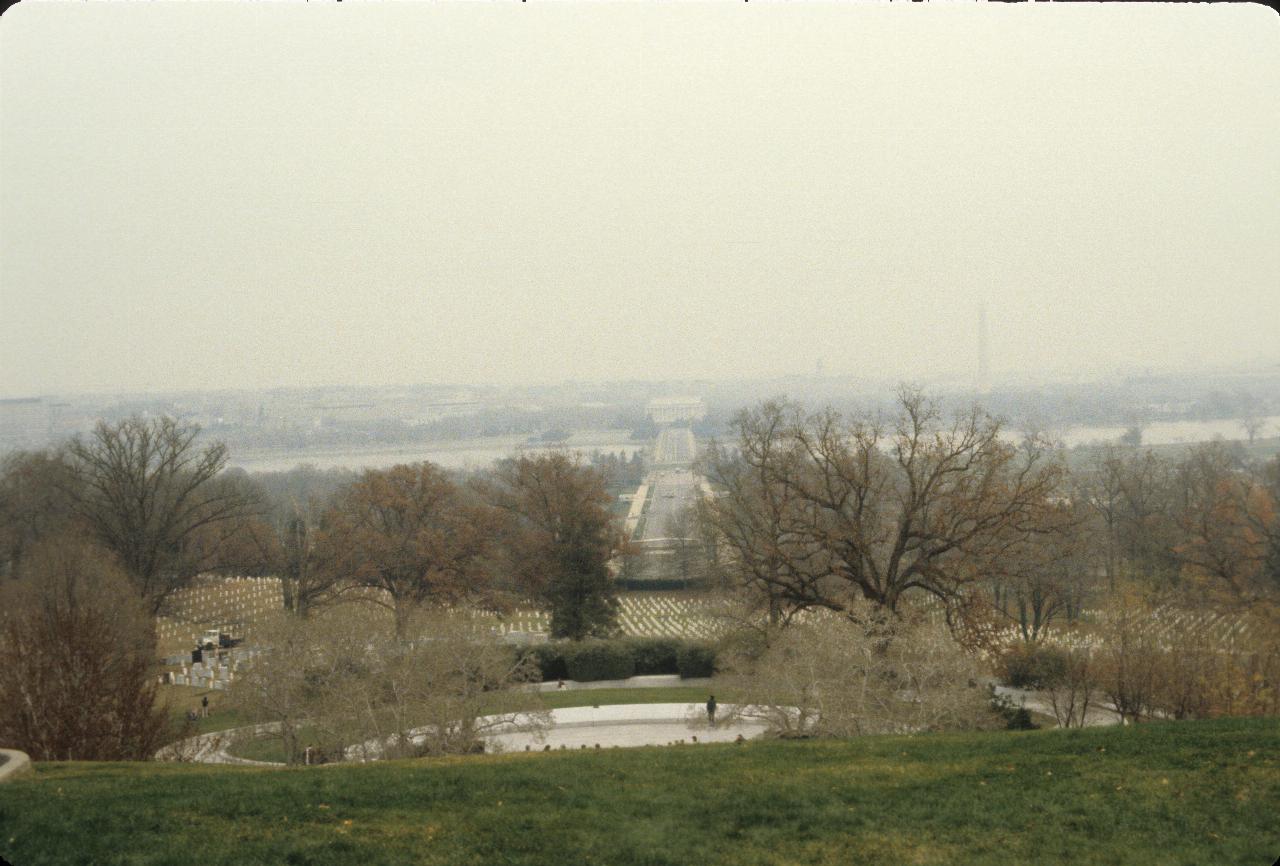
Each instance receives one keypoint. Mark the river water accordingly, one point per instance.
(481, 453)
(462, 454)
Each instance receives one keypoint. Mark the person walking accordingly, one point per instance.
(204, 706)
(711, 711)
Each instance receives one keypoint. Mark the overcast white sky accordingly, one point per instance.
(246, 195)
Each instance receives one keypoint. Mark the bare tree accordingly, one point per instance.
(277, 688)
(32, 505)
(1253, 424)
(1227, 522)
(1129, 659)
(455, 684)
(1131, 495)
(77, 650)
(1047, 577)
(1073, 694)
(874, 673)
(1098, 488)
(286, 546)
(689, 553)
(751, 515)
(818, 511)
(157, 501)
(361, 684)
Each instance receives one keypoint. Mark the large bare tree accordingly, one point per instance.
(285, 542)
(158, 501)
(818, 510)
(1048, 576)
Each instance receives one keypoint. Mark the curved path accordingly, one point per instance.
(627, 725)
(1099, 715)
(212, 748)
(609, 726)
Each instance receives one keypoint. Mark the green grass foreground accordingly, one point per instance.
(1176, 793)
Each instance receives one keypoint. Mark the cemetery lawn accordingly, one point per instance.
(177, 700)
(1171, 793)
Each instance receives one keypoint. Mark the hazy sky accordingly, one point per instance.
(263, 194)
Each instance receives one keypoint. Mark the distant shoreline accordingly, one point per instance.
(452, 453)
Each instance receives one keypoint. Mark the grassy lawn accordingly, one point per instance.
(177, 700)
(1177, 793)
(269, 748)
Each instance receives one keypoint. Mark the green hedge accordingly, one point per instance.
(696, 660)
(549, 657)
(621, 658)
(600, 660)
(655, 655)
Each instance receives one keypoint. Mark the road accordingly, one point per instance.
(675, 447)
(671, 486)
(670, 491)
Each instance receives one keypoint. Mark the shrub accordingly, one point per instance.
(600, 660)
(76, 651)
(655, 655)
(1032, 666)
(1015, 717)
(619, 659)
(837, 677)
(696, 660)
(549, 657)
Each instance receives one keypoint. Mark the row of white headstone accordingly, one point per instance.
(217, 675)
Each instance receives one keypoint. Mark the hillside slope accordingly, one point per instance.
(1190, 792)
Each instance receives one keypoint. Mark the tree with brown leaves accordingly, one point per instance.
(412, 534)
(559, 537)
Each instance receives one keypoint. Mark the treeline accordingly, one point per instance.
(163, 509)
(815, 509)
(915, 511)
(97, 536)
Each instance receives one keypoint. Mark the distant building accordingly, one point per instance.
(668, 410)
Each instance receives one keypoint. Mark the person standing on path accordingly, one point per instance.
(204, 707)
(711, 711)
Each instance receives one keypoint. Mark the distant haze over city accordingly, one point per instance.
(242, 196)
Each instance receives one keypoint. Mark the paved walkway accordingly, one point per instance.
(212, 748)
(621, 725)
(626, 725)
(1099, 715)
(610, 726)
